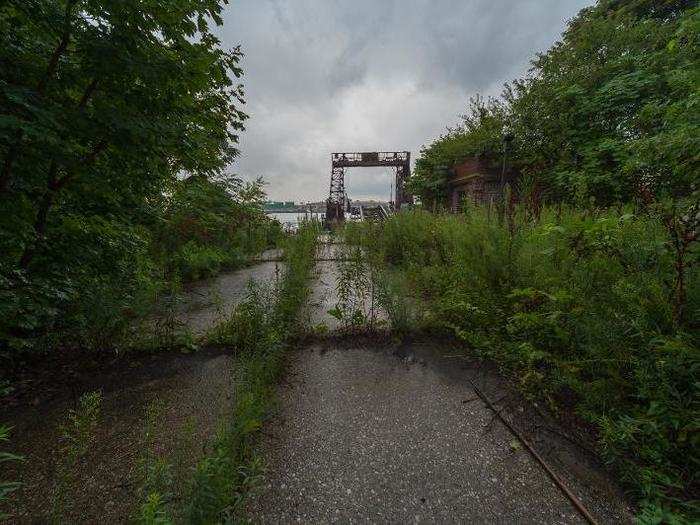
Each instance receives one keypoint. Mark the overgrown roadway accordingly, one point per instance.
(372, 431)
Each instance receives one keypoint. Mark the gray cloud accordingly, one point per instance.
(350, 75)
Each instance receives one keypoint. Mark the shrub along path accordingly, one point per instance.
(372, 431)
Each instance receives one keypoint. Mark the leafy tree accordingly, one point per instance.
(104, 95)
(478, 135)
(102, 105)
(610, 109)
(210, 224)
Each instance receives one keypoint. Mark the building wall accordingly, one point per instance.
(475, 181)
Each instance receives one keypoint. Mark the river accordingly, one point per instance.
(291, 220)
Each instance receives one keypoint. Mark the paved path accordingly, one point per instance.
(368, 433)
(203, 304)
(194, 392)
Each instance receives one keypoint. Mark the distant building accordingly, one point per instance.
(278, 205)
(474, 180)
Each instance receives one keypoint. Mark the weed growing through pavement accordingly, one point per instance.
(165, 331)
(258, 332)
(356, 291)
(76, 436)
(6, 487)
(592, 310)
(155, 471)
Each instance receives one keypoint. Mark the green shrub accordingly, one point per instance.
(194, 261)
(578, 306)
(258, 332)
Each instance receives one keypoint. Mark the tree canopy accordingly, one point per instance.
(611, 107)
(105, 105)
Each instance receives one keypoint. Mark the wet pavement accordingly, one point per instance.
(205, 303)
(386, 433)
(323, 296)
(366, 435)
(324, 291)
(193, 394)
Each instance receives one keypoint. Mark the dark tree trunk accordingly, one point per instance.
(41, 218)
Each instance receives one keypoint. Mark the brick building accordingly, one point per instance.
(475, 180)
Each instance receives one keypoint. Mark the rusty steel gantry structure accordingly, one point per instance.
(337, 201)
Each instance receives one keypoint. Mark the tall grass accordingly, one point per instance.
(578, 306)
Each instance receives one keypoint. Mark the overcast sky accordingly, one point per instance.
(370, 75)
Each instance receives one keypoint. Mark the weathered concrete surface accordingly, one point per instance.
(378, 436)
(205, 303)
(271, 255)
(396, 434)
(324, 296)
(194, 393)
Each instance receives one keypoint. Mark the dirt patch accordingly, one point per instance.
(193, 393)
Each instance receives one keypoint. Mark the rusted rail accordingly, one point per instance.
(557, 480)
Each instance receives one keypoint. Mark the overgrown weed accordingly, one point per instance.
(76, 436)
(581, 307)
(258, 332)
(155, 471)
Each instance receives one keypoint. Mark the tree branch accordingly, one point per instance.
(41, 218)
(58, 52)
(6, 173)
(82, 163)
(87, 94)
(53, 185)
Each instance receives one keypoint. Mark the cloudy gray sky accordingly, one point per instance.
(365, 75)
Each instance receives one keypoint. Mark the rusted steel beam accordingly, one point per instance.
(401, 160)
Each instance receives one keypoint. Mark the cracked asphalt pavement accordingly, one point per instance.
(366, 436)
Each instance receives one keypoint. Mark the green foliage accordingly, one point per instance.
(213, 225)
(76, 437)
(593, 309)
(355, 283)
(578, 306)
(258, 331)
(153, 511)
(155, 471)
(77, 434)
(478, 135)
(609, 110)
(6, 487)
(117, 120)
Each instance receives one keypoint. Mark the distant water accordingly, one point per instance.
(291, 220)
